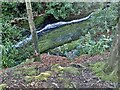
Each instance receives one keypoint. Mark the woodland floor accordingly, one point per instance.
(15, 77)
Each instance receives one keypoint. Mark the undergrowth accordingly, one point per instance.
(98, 70)
(102, 21)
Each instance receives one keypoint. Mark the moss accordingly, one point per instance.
(3, 86)
(98, 68)
(28, 61)
(60, 79)
(26, 70)
(43, 76)
(64, 81)
(70, 85)
(66, 47)
(28, 78)
(17, 72)
(71, 70)
(33, 72)
(57, 68)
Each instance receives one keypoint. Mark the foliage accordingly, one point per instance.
(99, 37)
(91, 47)
(17, 9)
(13, 34)
(59, 10)
(10, 35)
(9, 32)
(85, 45)
(104, 20)
(96, 37)
(8, 54)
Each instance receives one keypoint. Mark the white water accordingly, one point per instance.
(50, 27)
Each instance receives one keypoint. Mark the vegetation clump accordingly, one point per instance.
(3, 86)
(98, 70)
(43, 76)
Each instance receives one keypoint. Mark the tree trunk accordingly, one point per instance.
(112, 66)
(0, 38)
(33, 30)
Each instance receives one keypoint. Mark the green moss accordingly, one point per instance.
(60, 79)
(28, 61)
(43, 76)
(71, 70)
(98, 68)
(70, 84)
(3, 86)
(33, 72)
(57, 68)
(28, 78)
(66, 47)
(26, 70)
(17, 72)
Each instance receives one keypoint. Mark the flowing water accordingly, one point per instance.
(47, 28)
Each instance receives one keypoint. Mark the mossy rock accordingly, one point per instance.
(3, 86)
(61, 36)
(66, 47)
